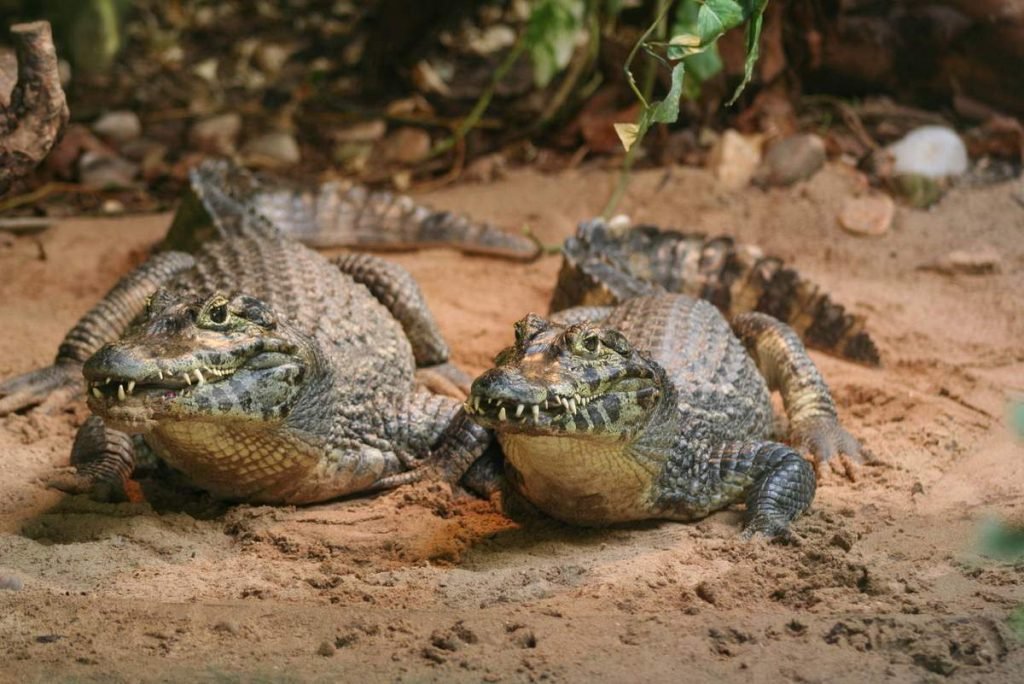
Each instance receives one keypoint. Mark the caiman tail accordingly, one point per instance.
(607, 263)
(334, 214)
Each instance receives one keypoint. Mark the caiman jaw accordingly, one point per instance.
(120, 388)
(554, 405)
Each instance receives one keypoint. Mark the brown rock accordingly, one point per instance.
(407, 146)
(793, 159)
(868, 215)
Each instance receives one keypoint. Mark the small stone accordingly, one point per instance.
(118, 127)
(100, 170)
(112, 207)
(270, 57)
(868, 215)
(734, 159)
(272, 149)
(407, 146)
(326, 649)
(217, 134)
(792, 159)
(365, 131)
(930, 151)
(206, 70)
(10, 583)
(979, 261)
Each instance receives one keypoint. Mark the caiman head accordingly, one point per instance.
(216, 357)
(582, 380)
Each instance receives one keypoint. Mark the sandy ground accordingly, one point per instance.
(887, 582)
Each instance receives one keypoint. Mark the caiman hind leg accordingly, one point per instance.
(782, 360)
(397, 290)
(104, 323)
(775, 481)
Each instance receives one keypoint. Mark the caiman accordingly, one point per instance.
(258, 368)
(656, 408)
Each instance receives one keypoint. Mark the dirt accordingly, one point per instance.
(887, 580)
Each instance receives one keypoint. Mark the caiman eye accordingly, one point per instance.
(219, 313)
(591, 343)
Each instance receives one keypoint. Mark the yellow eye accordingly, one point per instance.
(219, 313)
(591, 343)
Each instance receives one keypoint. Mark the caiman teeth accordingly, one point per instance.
(131, 386)
(120, 392)
(159, 374)
(501, 413)
(199, 377)
(188, 380)
(536, 411)
(572, 406)
(96, 393)
(519, 410)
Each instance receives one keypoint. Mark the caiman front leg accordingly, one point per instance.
(104, 323)
(397, 290)
(785, 365)
(103, 460)
(436, 440)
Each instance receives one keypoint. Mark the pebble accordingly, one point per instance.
(792, 159)
(10, 583)
(978, 261)
(734, 159)
(118, 126)
(366, 131)
(868, 215)
(217, 134)
(326, 649)
(100, 170)
(407, 145)
(272, 149)
(930, 151)
(271, 57)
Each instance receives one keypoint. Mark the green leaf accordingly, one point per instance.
(702, 61)
(551, 34)
(756, 8)
(667, 111)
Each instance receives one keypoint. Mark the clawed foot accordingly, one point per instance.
(71, 481)
(773, 528)
(61, 381)
(830, 444)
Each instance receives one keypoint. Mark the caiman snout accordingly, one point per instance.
(507, 386)
(118, 361)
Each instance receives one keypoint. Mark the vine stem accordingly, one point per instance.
(484, 101)
(627, 164)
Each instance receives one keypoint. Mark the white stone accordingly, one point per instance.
(930, 151)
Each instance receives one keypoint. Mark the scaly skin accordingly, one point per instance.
(606, 264)
(260, 370)
(654, 409)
